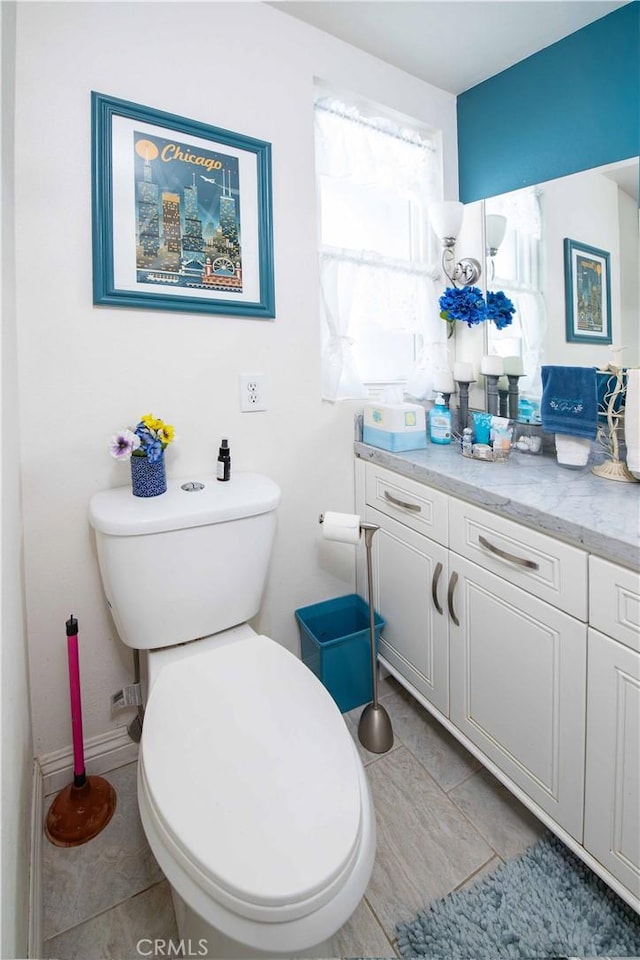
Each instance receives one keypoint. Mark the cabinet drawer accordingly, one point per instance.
(551, 570)
(414, 504)
(614, 601)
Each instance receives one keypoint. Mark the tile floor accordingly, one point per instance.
(442, 821)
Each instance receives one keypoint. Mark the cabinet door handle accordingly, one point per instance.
(401, 503)
(434, 587)
(452, 585)
(521, 561)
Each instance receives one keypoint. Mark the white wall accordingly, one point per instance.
(583, 207)
(629, 216)
(86, 371)
(16, 750)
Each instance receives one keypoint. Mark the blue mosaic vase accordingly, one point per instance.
(148, 479)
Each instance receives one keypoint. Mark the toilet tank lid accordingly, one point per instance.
(118, 513)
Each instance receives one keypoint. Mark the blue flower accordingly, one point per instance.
(499, 309)
(465, 304)
(144, 433)
(154, 451)
(150, 443)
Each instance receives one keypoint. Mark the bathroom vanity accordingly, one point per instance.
(511, 594)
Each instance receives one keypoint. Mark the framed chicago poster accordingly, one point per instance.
(587, 293)
(182, 215)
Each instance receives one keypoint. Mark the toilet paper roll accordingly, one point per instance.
(343, 527)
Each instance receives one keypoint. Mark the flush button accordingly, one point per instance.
(192, 485)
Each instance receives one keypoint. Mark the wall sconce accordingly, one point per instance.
(495, 226)
(446, 220)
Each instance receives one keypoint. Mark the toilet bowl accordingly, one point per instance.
(253, 798)
(251, 791)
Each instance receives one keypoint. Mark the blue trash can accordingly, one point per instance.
(336, 646)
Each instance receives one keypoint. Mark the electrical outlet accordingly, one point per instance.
(252, 396)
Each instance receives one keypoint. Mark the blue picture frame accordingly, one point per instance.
(587, 282)
(181, 212)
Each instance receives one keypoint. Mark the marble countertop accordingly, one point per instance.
(600, 516)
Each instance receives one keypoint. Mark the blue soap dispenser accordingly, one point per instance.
(440, 422)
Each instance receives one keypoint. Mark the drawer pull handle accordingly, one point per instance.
(401, 503)
(434, 587)
(529, 564)
(452, 586)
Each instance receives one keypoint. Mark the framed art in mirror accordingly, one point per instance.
(587, 293)
(182, 214)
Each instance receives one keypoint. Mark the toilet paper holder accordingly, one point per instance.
(368, 528)
(374, 729)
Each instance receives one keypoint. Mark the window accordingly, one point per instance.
(376, 178)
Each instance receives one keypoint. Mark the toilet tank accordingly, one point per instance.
(186, 564)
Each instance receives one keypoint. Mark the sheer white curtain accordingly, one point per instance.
(340, 377)
(379, 301)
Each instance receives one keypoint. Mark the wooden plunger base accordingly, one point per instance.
(79, 813)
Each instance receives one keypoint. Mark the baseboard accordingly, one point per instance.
(101, 754)
(34, 945)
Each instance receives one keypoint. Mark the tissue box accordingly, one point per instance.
(395, 426)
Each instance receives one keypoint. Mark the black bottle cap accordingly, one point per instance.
(72, 626)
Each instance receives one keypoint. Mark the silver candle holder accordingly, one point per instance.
(463, 403)
(513, 394)
(492, 393)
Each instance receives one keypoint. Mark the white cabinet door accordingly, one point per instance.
(612, 790)
(410, 578)
(518, 675)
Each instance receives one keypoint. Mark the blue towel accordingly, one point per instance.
(606, 384)
(569, 401)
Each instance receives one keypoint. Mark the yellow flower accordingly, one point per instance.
(153, 423)
(166, 433)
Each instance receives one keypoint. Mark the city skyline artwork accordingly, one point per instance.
(187, 221)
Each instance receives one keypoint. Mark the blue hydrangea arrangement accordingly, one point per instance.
(463, 303)
(468, 305)
(500, 309)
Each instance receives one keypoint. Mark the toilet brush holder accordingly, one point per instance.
(374, 730)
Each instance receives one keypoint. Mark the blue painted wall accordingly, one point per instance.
(569, 107)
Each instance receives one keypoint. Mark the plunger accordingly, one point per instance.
(83, 808)
(374, 730)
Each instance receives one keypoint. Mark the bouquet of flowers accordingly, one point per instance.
(468, 305)
(463, 303)
(499, 309)
(149, 439)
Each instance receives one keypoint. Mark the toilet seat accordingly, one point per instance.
(253, 782)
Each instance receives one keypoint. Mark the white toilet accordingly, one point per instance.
(251, 791)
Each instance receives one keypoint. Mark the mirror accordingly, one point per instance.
(598, 208)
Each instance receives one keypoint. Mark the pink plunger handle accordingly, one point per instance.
(79, 776)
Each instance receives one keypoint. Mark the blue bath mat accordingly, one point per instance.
(546, 903)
